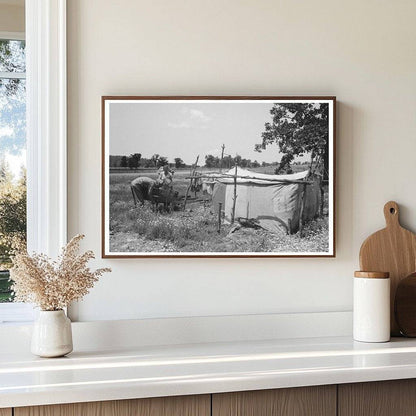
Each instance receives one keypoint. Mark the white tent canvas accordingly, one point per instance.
(274, 201)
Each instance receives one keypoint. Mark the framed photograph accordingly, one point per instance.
(218, 176)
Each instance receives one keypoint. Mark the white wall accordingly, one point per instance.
(361, 51)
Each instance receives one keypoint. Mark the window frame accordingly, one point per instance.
(12, 35)
(46, 137)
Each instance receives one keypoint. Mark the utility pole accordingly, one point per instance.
(235, 195)
(222, 157)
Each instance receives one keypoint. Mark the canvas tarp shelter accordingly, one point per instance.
(273, 200)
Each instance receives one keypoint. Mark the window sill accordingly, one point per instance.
(16, 313)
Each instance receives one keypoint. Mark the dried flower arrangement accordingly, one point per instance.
(53, 285)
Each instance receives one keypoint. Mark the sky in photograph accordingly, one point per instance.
(188, 129)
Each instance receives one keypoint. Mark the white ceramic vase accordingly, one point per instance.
(52, 334)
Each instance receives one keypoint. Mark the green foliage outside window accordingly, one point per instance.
(12, 145)
(12, 223)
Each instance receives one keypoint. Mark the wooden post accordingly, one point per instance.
(322, 191)
(235, 196)
(193, 169)
(302, 207)
(219, 217)
(222, 157)
(186, 195)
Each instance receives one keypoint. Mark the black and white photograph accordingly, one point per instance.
(218, 176)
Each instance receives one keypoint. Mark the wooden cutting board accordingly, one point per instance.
(393, 250)
(405, 306)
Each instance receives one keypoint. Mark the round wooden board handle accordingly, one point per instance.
(391, 213)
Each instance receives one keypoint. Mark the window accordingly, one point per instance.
(12, 154)
(45, 27)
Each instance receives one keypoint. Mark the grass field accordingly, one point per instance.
(139, 229)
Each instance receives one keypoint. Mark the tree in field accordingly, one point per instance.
(131, 163)
(227, 162)
(147, 163)
(237, 160)
(134, 160)
(155, 159)
(212, 161)
(123, 162)
(179, 162)
(298, 129)
(162, 161)
(284, 165)
(245, 163)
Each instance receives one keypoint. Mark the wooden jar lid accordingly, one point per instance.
(372, 275)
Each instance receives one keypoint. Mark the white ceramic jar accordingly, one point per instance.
(371, 305)
(52, 334)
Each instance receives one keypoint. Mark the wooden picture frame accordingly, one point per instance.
(196, 188)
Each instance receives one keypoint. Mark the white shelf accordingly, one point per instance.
(150, 371)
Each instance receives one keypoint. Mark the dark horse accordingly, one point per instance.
(146, 189)
(164, 195)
